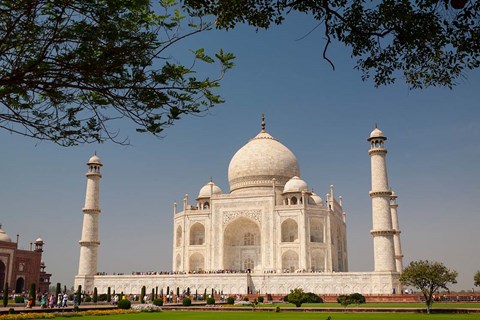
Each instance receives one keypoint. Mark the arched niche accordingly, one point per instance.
(197, 234)
(178, 236)
(241, 241)
(289, 231)
(316, 230)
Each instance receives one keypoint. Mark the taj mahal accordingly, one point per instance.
(270, 233)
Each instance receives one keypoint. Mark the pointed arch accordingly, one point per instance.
(241, 240)
(178, 236)
(197, 234)
(289, 231)
(3, 271)
(316, 230)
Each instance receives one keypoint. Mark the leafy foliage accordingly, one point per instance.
(354, 298)
(260, 299)
(32, 293)
(5, 295)
(311, 297)
(142, 294)
(79, 295)
(429, 277)
(187, 302)
(19, 299)
(476, 279)
(230, 300)
(124, 304)
(210, 301)
(429, 43)
(297, 297)
(71, 69)
(95, 295)
(158, 302)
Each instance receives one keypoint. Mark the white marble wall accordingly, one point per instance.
(319, 283)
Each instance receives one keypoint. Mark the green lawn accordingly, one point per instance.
(189, 315)
(421, 305)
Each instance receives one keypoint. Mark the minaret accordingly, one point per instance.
(89, 242)
(396, 236)
(382, 231)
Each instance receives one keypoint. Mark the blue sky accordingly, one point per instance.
(323, 116)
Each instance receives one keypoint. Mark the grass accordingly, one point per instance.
(417, 305)
(198, 315)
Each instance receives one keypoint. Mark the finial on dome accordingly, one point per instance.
(263, 122)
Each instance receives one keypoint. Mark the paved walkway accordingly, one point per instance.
(20, 308)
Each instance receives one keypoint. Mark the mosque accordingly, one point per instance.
(19, 268)
(269, 234)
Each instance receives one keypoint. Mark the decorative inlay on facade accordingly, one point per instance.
(253, 214)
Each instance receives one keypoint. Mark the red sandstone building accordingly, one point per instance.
(20, 268)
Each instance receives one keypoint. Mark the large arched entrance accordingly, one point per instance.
(2, 274)
(241, 240)
(20, 285)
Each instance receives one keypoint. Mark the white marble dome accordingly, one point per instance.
(262, 159)
(94, 160)
(209, 187)
(316, 199)
(4, 236)
(295, 185)
(377, 133)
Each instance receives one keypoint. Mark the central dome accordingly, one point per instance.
(259, 161)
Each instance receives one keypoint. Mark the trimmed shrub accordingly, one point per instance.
(79, 295)
(211, 301)
(158, 302)
(11, 311)
(102, 297)
(19, 299)
(124, 304)
(285, 299)
(311, 297)
(32, 293)
(58, 289)
(357, 298)
(269, 297)
(109, 295)
(277, 309)
(260, 299)
(187, 302)
(245, 299)
(5, 295)
(230, 300)
(142, 294)
(88, 298)
(95, 295)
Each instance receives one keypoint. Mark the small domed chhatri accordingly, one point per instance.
(94, 160)
(376, 133)
(4, 236)
(316, 199)
(209, 189)
(295, 185)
